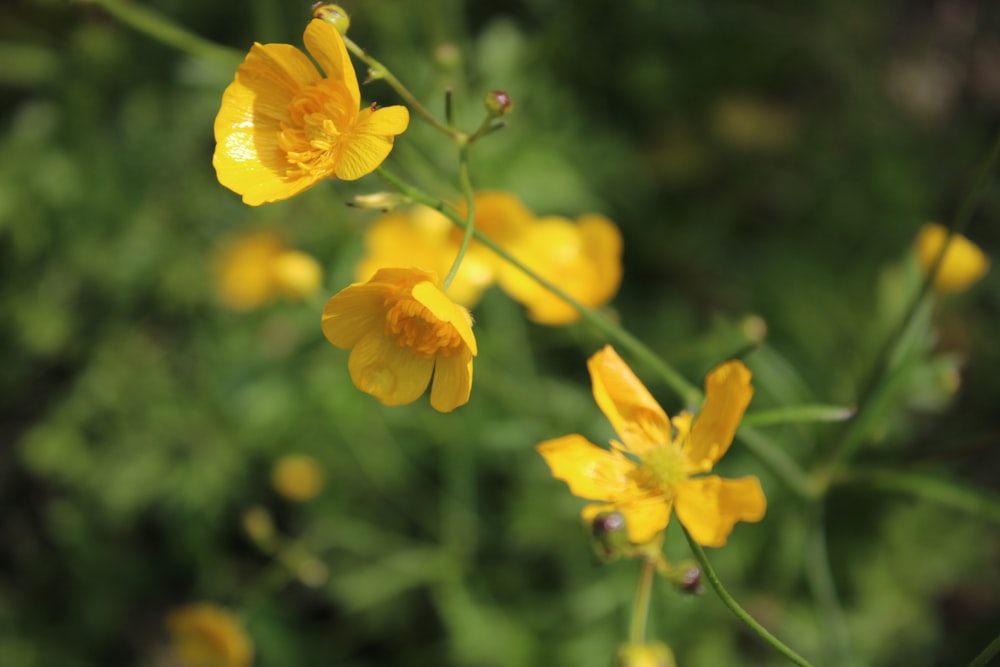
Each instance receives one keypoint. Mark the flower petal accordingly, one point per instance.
(710, 506)
(452, 382)
(590, 471)
(389, 372)
(962, 265)
(352, 313)
(366, 145)
(727, 395)
(430, 296)
(327, 46)
(633, 412)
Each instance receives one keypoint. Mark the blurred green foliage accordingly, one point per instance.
(768, 159)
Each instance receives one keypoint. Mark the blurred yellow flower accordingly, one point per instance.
(255, 268)
(963, 263)
(283, 127)
(205, 635)
(401, 329)
(655, 654)
(423, 238)
(582, 259)
(658, 465)
(297, 477)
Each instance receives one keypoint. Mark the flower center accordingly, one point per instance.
(318, 116)
(663, 468)
(415, 327)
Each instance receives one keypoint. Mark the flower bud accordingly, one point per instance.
(498, 103)
(383, 201)
(259, 526)
(610, 536)
(332, 14)
(297, 477)
(687, 579)
(653, 654)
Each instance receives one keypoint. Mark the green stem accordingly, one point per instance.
(987, 653)
(469, 224)
(779, 463)
(161, 28)
(689, 393)
(824, 590)
(851, 436)
(734, 606)
(640, 608)
(380, 71)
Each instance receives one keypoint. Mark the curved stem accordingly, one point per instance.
(987, 653)
(640, 608)
(734, 606)
(469, 223)
(824, 590)
(162, 29)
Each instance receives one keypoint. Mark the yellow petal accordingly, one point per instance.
(327, 46)
(590, 471)
(645, 516)
(727, 395)
(710, 506)
(389, 372)
(633, 412)
(963, 263)
(452, 383)
(366, 145)
(354, 312)
(430, 296)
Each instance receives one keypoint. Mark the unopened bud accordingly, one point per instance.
(610, 535)
(258, 525)
(688, 580)
(653, 654)
(383, 201)
(332, 14)
(447, 55)
(498, 103)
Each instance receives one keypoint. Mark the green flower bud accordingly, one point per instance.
(498, 103)
(610, 536)
(332, 14)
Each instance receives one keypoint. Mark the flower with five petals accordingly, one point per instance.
(283, 127)
(659, 465)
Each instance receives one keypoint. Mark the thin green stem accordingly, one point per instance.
(469, 224)
(689, 393)
(778, 462)
(740, 612)
(160, 28)
(640, 607)
(987, 654)
(852, 436)
(824, 590)
(380, 71)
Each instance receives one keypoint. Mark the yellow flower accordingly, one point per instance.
(582, 259)
(283, 127)
(297, 477)
(963, 263)
(257, 267)
(426, 239)
(401, 329)
(204, 635)
(659, 465)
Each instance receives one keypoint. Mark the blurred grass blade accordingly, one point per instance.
(954, 493)
(800, 414)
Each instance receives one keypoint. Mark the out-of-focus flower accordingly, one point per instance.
(963, 263)
(582, 259)
(423, 238)
(205, 635)
(255, 268)
(753, 124)
(283, 126)
(402, 329)
(297, 477)
(659, 464)
(653, 654)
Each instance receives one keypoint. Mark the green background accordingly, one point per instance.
(139, 418)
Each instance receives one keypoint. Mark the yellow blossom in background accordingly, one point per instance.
(583, 259)
(205, 635)
(297, 477)
(255, 268)
(402, 329)
(283, 126)
(659, 465)
(963, 263)
(423, 238)
(654, 654)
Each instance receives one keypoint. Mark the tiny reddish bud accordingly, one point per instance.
(610, 535)
(332, 14)
(498, 103)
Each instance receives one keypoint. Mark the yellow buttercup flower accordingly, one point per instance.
(297, 477)
(255, 268)
(659, 465)
(582, 259)
(205, 635)
(283, 126)
(402, 329)
(963, 263)
(426, 239)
